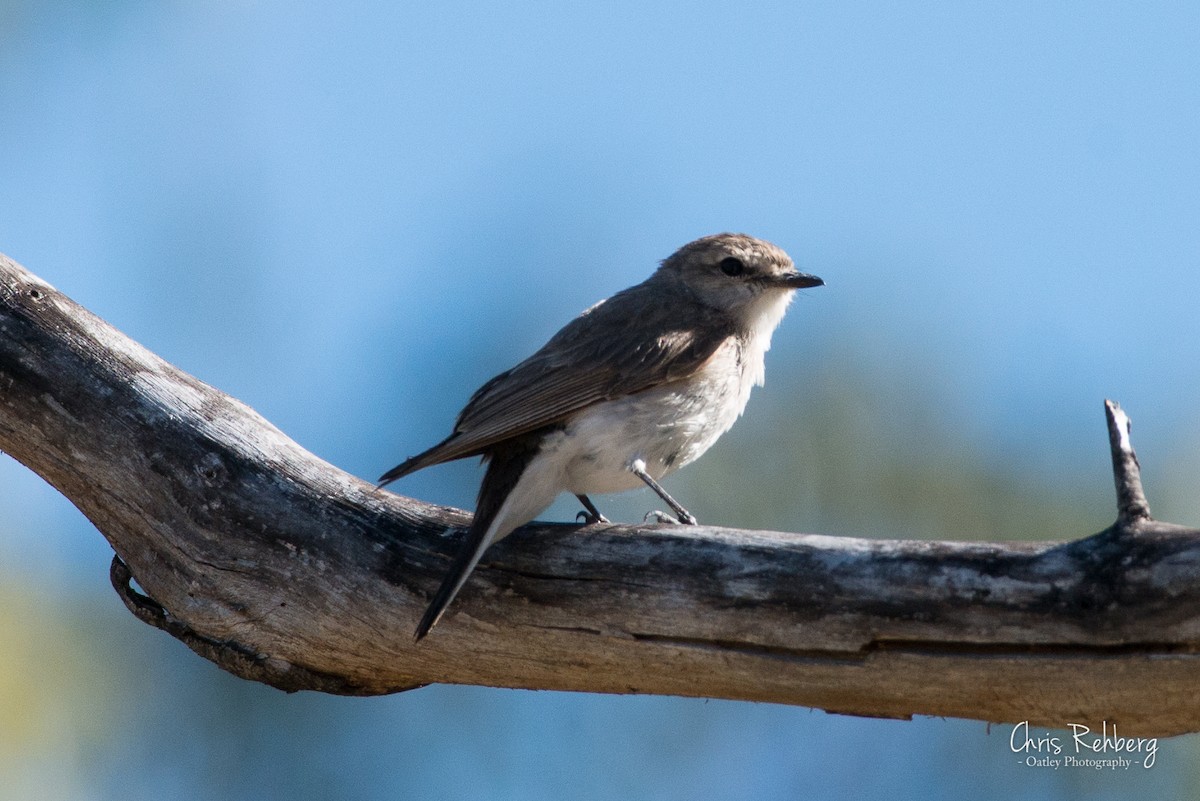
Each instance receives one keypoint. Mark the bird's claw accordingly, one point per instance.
(589, 519)
(685, 519)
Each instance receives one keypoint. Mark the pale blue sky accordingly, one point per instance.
(349, 215)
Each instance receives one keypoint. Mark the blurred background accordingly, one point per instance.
(350, 215)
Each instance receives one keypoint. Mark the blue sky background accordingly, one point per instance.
(350, 215)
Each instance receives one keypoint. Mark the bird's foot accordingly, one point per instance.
(592, 515)
(638, 468)
(685, 518)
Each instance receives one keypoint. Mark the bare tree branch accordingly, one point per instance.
(283, 569)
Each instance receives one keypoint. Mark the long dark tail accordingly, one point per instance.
(464, 562)
(505, 466)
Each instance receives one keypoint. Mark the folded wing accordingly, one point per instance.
(587, 362)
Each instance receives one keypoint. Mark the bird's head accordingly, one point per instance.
(747, 278)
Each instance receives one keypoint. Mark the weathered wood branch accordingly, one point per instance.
(283, 569)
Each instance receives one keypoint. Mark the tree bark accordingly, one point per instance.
(283, 569)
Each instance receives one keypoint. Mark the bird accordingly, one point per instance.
(634, 388)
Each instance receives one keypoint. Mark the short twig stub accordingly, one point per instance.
(1127, 472)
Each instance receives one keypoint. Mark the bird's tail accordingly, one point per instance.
(505, 502)
(481, 534)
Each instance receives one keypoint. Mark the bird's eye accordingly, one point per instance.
(731, 265)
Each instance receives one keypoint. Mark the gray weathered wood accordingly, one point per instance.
(284, 569)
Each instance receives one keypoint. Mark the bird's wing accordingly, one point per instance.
(587, 362)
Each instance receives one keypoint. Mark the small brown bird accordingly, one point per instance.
(634, 388)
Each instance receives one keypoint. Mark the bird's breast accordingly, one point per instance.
(667, 426)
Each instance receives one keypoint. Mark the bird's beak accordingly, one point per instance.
(798, 280)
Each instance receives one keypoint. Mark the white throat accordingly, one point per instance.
(763, 316)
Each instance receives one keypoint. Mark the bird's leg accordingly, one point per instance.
(638, 468)
(592, 515)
